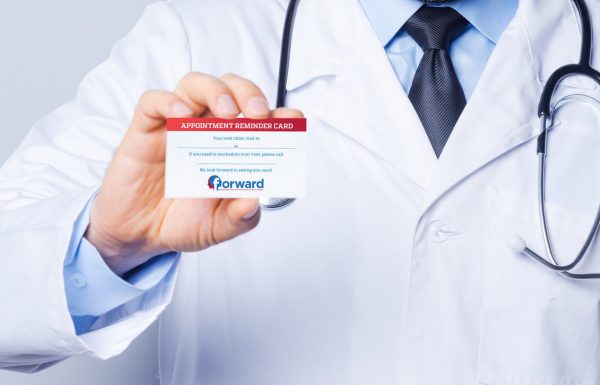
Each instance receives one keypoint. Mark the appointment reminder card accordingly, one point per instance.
(235, 158)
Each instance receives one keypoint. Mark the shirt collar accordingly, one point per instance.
(490, 17)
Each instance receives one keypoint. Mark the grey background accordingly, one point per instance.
(47, 47)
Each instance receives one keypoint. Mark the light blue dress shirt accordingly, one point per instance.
(91, 287)
(469, 52)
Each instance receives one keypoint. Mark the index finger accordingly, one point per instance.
(203, 92)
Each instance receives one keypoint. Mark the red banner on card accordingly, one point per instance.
(238, 124)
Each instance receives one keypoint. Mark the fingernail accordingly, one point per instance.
(180, 109)
(251, 215)
(227, 106)
(257, 106)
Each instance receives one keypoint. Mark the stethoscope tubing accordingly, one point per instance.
(553, 262)
(284, 65)
(545, 113)
(582, 68)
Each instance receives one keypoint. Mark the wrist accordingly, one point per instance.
(119, 255)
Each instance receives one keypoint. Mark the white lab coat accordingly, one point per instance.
(395, 267)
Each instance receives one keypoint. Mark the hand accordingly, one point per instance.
(131, 221)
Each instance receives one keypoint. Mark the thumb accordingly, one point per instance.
(235, 217)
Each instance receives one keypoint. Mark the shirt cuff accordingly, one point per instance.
(92, 288)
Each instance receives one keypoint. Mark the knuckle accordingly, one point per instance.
(152, 98)
(147, 96)
(190, 76)
(239, 84)
(208, 82)
(288, 112)
(229, 76)
(296, 112)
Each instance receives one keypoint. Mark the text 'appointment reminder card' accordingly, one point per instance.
(235, 158)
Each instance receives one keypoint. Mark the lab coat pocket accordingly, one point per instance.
(538, 327)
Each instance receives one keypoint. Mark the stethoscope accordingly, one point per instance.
(546, 113)
(284, 65)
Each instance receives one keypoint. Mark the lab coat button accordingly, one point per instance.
(78, 280)
(436, 232)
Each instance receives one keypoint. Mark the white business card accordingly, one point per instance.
(235, 158)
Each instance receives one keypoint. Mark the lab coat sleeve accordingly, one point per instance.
(91, 286)
(45, 186)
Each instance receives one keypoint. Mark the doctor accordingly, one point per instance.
(395, 267)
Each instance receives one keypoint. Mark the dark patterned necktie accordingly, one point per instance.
(436, 93)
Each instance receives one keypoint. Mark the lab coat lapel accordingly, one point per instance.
(502, 112)
(365, 100)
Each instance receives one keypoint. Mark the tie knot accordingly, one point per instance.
(435, 27)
